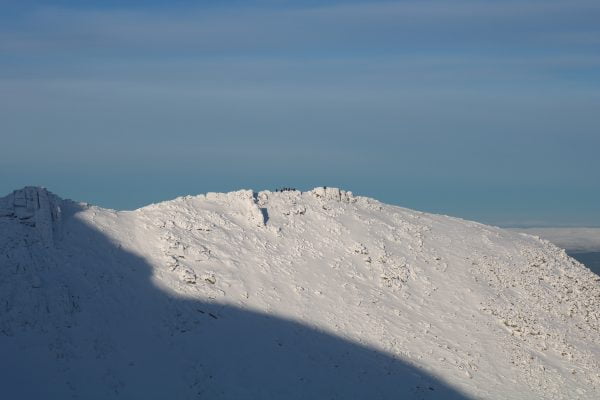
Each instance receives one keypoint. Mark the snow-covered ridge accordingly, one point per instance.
(286, 295)
(35, 207)
(573, 239)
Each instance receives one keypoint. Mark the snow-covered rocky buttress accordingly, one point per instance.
(286, 295)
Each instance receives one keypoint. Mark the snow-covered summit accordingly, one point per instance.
(318, 294)
(34, 207)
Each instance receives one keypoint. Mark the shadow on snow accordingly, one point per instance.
(107, 331)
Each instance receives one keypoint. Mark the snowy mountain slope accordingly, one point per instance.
(286, 295)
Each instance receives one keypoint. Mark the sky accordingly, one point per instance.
(486, 110)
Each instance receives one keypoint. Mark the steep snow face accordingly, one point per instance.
(286, 295)
(36, 208)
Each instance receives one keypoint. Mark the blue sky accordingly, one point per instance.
(487, 110)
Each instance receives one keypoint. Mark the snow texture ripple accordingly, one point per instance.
(318, 294)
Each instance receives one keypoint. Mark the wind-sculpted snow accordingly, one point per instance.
(319, 294)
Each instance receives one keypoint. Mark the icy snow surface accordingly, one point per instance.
(285, 295)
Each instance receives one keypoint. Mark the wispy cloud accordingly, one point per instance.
(489, 91)
(370, 26)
